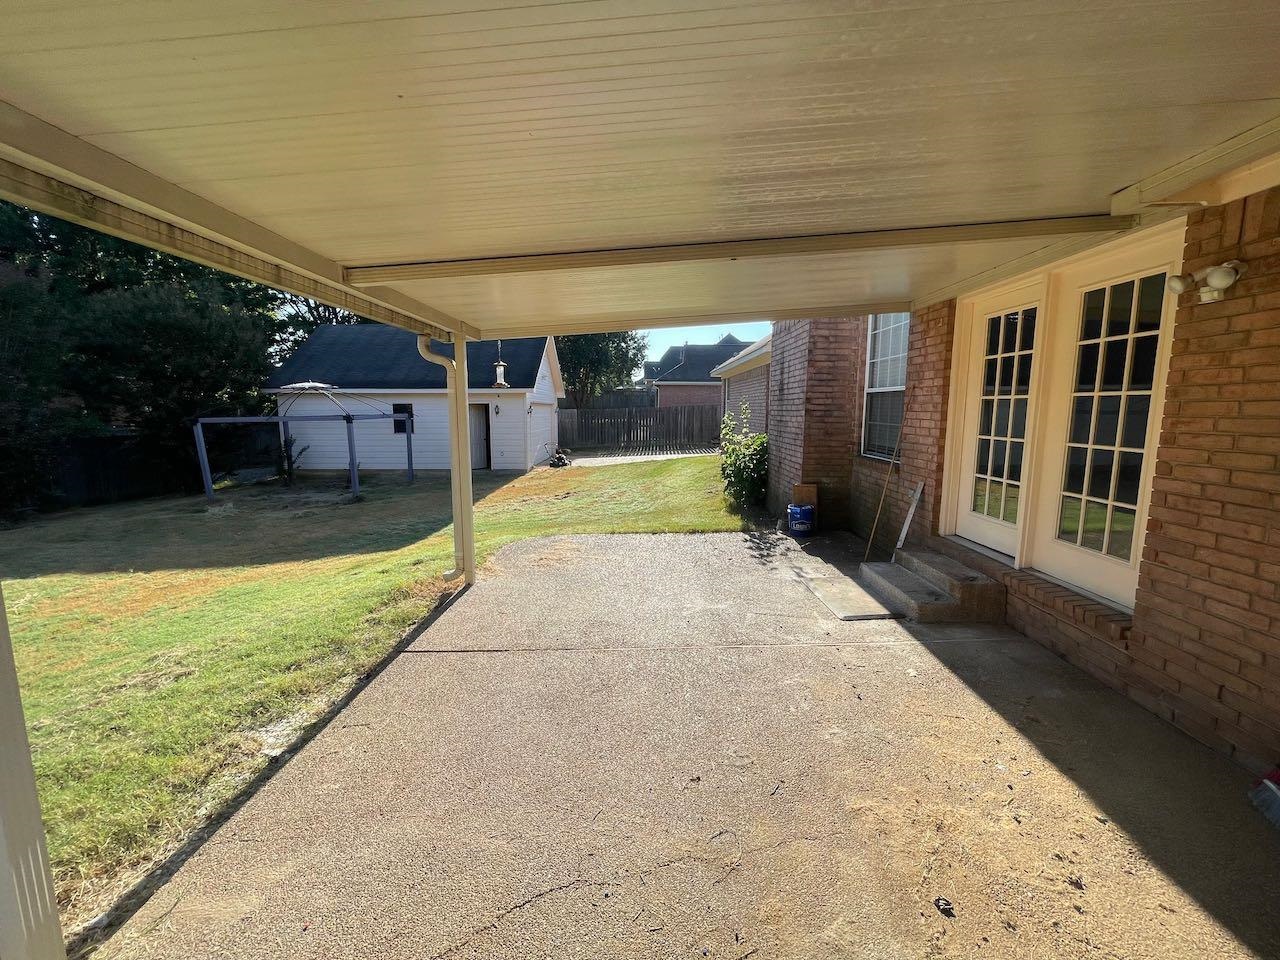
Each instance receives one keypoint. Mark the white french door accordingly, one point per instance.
(1058, 383)
(1102, 422)
(997, 419)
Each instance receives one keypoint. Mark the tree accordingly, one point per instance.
(296, 318)
(595, 362)
(32, 346)
(98, 333)
(152, 358)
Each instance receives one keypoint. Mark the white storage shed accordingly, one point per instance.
(377, 369)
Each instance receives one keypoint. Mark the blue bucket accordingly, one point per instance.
(800, 519)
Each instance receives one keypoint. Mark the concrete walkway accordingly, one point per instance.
(600, 458)
(665, 746)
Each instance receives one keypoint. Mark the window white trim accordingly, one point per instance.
(902, 320)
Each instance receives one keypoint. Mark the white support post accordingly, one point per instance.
(464, 544)
(29, 927)
(464, 537)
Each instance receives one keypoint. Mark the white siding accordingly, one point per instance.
(543, 429)
(544, 390)
(507, 440)
(379, 447)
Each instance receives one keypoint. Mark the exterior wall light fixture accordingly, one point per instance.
(1212, 281)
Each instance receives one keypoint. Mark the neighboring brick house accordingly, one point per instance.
(745, 379)
(683, 376)
(1107, 449)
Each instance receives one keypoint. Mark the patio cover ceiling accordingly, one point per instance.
(429, 164)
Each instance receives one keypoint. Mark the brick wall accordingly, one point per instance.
(811, 413)
(923, 434)
(1206, 635)
(681, 395)
(788, 375)
(1202, 648)
(752, 387)
(818, 370)
(829, 407)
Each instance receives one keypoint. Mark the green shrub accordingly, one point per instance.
(744, 460)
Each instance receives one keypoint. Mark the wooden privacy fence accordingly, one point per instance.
(640, 428)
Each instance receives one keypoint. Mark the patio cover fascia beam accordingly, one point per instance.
(51, 171)
(737, 249)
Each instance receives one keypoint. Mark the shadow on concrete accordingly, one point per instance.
(1192, 819)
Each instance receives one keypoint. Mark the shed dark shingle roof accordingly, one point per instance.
(693, 363)
(376, 356)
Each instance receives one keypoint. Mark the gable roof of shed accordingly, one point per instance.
(375, 356)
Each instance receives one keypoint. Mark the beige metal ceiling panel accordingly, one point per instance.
(401, 131)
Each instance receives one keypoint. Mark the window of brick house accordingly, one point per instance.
(885, 384)
(402, 426)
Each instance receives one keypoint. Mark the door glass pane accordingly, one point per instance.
(995, 493)
(1128, 474)
(1143, 372)
(1002, 418)
(1104, 431)
(1113, 360)
(1074, 480)
(1120, 543)
(1150, 303)
(1081, 417)
(980, 495)
(1015, 461)
(1100, 473)
(1120, 309)
(1011, 503)
(1136, 409)
(1094, 302)
(1087, 368)
(1069, 520)
(1094, 528)
(1110, 410)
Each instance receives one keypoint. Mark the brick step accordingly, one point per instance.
(983, 597)
(911, 596)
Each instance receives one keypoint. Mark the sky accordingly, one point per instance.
(661, 338)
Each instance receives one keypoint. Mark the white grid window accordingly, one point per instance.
(1002, 429)
(1110, 415)
(885, 384)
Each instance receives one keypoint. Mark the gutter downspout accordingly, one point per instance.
(464, 545)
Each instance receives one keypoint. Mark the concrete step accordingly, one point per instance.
(983, 597)
(911, 596)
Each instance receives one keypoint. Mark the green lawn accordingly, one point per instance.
(157, 640)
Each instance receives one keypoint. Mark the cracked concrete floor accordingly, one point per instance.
(665, 746)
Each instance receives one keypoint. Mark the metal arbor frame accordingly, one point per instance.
(284, 420)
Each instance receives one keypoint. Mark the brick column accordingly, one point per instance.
(811, 413)
(1206, 623)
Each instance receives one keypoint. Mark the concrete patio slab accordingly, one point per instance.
(662, 746)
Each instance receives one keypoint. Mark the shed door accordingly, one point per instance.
(479, 413)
